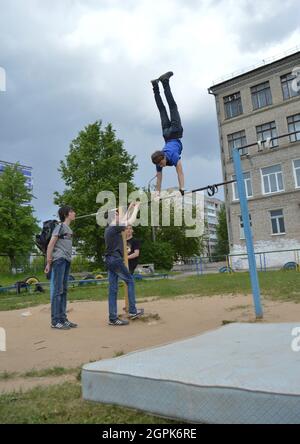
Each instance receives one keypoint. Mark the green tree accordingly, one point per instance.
(171, 243)
(161, 254)
(222, 247)
(18, 225)
(97, 161)
(184, 247)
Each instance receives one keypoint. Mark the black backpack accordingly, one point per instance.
(42, 240)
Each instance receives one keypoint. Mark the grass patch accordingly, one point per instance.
(225, 322)
(277, 285)
(49, 372)
(118, 354)
(63, 404)
(4, 376)
(44, 373)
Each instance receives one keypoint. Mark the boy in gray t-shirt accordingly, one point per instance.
(59, 256)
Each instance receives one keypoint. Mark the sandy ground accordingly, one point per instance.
(32, 344)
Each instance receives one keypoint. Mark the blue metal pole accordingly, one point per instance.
(201, 267)
(248, 234)
(265, 262)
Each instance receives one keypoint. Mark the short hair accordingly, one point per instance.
(157, 157)
(64, 211)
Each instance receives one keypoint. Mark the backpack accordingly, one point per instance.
(42, 240)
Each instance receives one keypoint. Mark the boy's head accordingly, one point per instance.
(159, 158)
(66, 212)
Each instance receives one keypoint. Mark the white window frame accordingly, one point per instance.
(277, 217)
(295, 173)
(235, 198)
(263, 183)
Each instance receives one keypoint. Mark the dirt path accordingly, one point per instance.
(32, 344)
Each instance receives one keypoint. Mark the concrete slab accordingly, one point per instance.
(240, 373)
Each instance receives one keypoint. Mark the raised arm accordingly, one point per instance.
(180, 175)
(159, 181)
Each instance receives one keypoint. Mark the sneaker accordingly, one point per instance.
(166, 76)
(137, 314)
(70, 324)
(60, 326)
(118, 322)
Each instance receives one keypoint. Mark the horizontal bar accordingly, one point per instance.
(264, 141)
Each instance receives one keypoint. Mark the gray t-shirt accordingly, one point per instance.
(114, 241)
(63, 247)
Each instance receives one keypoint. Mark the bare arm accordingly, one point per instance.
(50, 248)
(159, 181)
(134, 255)
(180, 175)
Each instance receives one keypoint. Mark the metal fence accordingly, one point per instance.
(267, 260)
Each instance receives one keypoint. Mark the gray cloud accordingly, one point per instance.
(60, 79)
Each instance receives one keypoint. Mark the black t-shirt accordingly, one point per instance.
(114, 241)
(132, 245)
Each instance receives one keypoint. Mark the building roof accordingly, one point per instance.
(3, 162)
(250, 71)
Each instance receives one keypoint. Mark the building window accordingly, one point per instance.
(294, 126)
(272, 179)
(242, 231)
(277, 221)
(261, 95)
(297, 172)
(267, 131)
(233, 105)
(237, 140)
(248, 186)
(288, 86)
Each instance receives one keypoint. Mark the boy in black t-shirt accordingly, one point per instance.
(133, 249)
(116, 269)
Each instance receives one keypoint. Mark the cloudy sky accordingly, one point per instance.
(72, 62)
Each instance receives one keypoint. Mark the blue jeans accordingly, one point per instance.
(116, 270)
(58, 290)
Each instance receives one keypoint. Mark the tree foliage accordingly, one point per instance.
(97, 161)
(18, 224)
(222, 247)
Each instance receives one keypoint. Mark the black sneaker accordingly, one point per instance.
(70, 324)
(137, 314)
(166, 76)
(118, 322)
(60, 326)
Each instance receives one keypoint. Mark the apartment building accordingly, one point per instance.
(25, 170)
(212, 206)
(255, 106)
